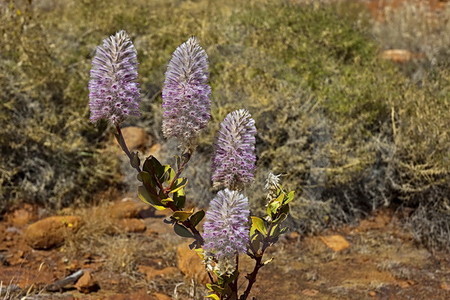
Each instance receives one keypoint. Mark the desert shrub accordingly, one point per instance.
(311, 79)
(418, 169)
(418, 27)
(49, 153)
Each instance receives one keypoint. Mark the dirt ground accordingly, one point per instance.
(378, 259)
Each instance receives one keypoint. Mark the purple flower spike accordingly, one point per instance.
(113, 90)
(234, 161)
(226, 228)
(186, 92)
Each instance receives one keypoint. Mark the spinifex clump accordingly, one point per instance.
(113, 90)
(228, 229)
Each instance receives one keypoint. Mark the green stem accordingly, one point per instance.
(186, 157)
(123, 145)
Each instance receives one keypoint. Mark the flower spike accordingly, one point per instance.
(186, 92)
(226, 230)
(113, 90)
(234, 161)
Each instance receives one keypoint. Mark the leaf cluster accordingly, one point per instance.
(163, 188)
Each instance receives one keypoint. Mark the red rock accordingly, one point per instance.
(51, 232)
(87, 284)
(152, 273)
(191, 264)
(139, 295)
(131, 225)
(160, 296)
(22, 216)
(310, 292)
(335, 242)
(293, 236)
(403, 284)
(154, 150)
(157, 227)
(135, 138)
(23, 277)
(126, 208)
(445, 286)
(400, 55)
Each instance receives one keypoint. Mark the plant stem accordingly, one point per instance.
(124, 146)
(234, 284)
(186, 157)
(252, 277)
(195, 232)
(258, 265)
(198, 237)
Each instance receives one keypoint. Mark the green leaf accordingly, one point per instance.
(284, 209)
(290, 197)
(168, 175)
(182, 215)
(180, 183)
(179, 198)
(166, 200)
(267, 261)
(182, 231)
(197, 217)
(135, 162)
(213, 296)
(149, 180)
(258, 224)
(273, 207)
(256, 241)
(275, 231)
(280, 218)
(269, 210)
(214, 287)
(148, 198)
(280, 198)
(153, 166)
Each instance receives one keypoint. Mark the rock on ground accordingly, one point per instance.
(51, 232)
(191, 264)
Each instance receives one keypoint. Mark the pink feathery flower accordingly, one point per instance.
(186, 92)
(226, 227)
(113, 90)
(234, 160)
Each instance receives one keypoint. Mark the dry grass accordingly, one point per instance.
(117, 254)
(101, 238)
